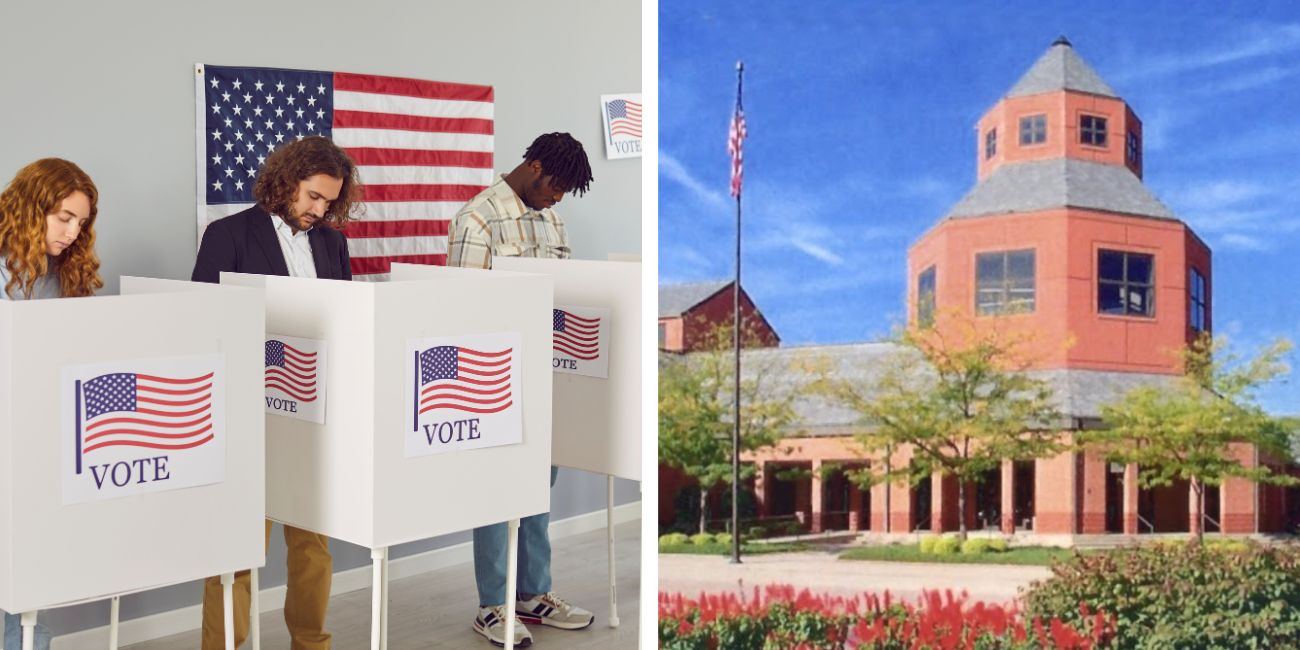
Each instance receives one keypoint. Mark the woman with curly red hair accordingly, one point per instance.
(47, 250)
(47, 235)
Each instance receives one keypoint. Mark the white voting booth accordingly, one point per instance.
(131, 445)
(376, 473)
(597, 420)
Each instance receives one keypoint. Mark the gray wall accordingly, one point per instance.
(109, 85)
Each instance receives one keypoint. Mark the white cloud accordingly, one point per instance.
(1271, 41)
(674, 170)
(820, 252)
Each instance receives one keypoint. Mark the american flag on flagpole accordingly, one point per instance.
(461, 379)
(735, 146)
(423, 148)
(290, 370)
(137, 410)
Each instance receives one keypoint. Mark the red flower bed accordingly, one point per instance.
(781, 617)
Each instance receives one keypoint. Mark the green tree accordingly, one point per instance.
(959, 398)
(696, 411)
(1187, 430)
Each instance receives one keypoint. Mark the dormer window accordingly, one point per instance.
(990, 144)
(1092, 130)
(1033, 129)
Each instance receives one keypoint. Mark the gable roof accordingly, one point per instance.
(677, 299)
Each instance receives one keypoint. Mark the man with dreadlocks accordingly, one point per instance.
(514, 217)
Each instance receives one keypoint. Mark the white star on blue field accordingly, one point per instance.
(862, 135)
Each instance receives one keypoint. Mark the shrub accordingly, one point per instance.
(928, 542)
(702, 538)
(780, 618)
(998, 545)
(947, 545)
(722, 538)
(757, 532)
(1182, 596)
(975, 546)
(673, 539)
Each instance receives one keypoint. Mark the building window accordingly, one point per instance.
(1196, 300)
(1033, 129)
(925, 300)
(1126, 283)
(1092, 130)
(663, 335)
(1004, 282)
(990, 144)
(1133, 149)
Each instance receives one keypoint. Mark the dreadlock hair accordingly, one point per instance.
(564, 160)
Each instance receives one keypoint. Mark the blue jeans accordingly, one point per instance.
(13, 634)
(534, 557)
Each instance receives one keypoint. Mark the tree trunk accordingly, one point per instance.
(1199, 511)
(961, 508)
(704, 508)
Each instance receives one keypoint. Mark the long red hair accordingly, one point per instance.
(37, 190)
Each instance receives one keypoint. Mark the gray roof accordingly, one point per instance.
(1060, 68)
(677, 299)
(1057, 183)
(1078, 394)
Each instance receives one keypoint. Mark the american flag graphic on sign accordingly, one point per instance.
(290, 370)
(423, 148)
(461, 379)
(624, 118)
(575, 336)
(137, 410)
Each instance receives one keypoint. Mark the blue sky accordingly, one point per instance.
(861, 119)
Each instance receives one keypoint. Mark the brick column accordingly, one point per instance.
(760, 489)
(1131, 499)
(1240, 497)
(855, 509)
(817, 496)
(1092, 519)
(1008, 497)
(943, 503)
(1054, 495)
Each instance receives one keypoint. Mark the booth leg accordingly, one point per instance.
(114, 612)
(609, 529)
(512, 578)
(377, 592)
(383, 638)
(228, 607)
(254, 610)
(29, 630)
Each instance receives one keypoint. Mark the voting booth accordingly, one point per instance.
(131, 442)
(408, 409)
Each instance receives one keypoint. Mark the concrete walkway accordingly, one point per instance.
(823, 573)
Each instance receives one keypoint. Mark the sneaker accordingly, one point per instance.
(549, 609)
(491, 623)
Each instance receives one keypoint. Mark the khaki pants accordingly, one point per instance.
(306, 599)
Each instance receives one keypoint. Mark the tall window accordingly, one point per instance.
(1126, 283)
(1033, 129)
(1133, 148)
(925, 286)
(1196, 300)
(1004, 282)
(1092, 130)
(990, 144)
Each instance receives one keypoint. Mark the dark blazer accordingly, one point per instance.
(245, 242)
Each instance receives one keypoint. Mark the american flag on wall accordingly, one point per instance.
(127, 409)
(462, 379)
(290, 370)
(624, 118)
(423, 149)
(574, 335)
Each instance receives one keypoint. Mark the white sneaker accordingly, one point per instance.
(491, 623)
(550, 609)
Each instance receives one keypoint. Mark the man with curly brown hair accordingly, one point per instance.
(305, 192)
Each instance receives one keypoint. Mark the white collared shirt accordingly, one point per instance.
(296, 248)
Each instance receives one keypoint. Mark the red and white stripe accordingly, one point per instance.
(736, 147)
(170, 414)
(580, 338)
(297, 378)
(423, 149)
(482, 384)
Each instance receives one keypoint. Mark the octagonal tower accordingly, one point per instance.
(1060, 238)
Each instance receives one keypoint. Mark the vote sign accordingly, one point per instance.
(141, 426)
(294, 378)
(580, 341)
(462, 393)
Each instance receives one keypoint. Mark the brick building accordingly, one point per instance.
(1058, 237)
(689, 313)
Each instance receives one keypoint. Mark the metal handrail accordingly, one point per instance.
(1205, 517)
(1151, 528)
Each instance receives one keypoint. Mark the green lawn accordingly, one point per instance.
(725, 549)
(1027, 555)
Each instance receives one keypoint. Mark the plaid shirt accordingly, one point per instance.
(496, 222)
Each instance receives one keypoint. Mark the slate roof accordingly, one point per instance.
(1060, 68)
(1057, 183)
(677, 299)
(1079, 394)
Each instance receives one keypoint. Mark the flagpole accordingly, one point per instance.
(735, 433)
